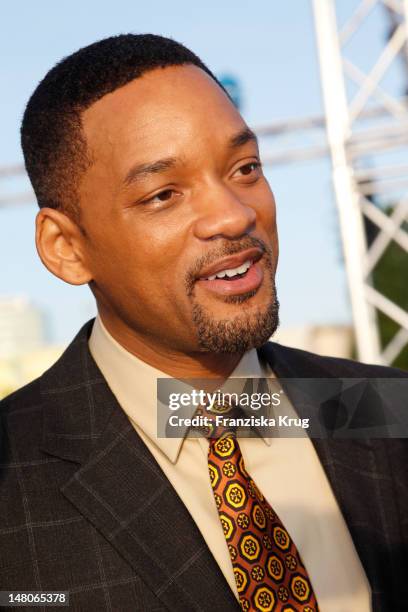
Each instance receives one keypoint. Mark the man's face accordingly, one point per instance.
(173, 200)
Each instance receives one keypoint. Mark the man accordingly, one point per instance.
(151, 190)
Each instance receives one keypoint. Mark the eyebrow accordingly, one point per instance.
(242, 138)
(141, 171)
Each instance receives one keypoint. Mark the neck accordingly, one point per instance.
(172, 362)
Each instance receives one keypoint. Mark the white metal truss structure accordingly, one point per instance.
(361, 127)
(367, 132)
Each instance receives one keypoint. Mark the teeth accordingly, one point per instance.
(230, 272)
(245, 266)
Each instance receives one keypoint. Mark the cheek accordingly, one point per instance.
(266, 214)
(138, 255)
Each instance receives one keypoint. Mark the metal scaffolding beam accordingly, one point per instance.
(358, 179)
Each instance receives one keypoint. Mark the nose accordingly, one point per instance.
(222, 213)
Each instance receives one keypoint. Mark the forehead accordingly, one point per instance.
(156, 114)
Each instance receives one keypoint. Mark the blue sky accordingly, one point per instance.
(270, 47)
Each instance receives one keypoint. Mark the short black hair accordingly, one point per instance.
(53, 144)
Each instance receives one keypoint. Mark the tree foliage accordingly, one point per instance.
(390, 278)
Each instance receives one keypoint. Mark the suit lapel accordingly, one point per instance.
(359, 472)
(120, 488)
(330, 451)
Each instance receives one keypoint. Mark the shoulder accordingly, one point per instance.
(304, 363)
(20, 418)
(66, 370)
(28, 395)
(24, 405)
(21, 424)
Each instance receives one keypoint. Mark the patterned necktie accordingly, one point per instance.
(269, 573)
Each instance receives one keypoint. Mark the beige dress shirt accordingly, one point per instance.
(287, 471)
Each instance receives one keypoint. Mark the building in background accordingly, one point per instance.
(25, 351)
(331, 340)
(22, 327)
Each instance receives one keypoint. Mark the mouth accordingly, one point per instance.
(234, 275)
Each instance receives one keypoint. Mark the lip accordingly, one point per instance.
(251, 281)
(232, 261)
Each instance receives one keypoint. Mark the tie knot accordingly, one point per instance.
(218, 420)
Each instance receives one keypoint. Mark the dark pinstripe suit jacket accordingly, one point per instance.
(84, 507)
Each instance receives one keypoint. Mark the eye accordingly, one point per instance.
(250, 170)
(162, 196)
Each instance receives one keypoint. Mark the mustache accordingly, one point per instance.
(225, 249)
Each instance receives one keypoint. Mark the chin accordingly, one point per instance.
(239, 331)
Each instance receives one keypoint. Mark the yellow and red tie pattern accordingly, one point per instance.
(268, 570)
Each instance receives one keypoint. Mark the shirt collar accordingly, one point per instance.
(134, 383)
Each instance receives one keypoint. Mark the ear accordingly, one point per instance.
(60, 245)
